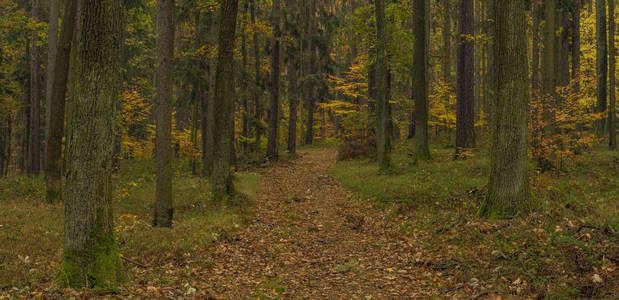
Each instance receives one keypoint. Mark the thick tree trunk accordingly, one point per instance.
(420, 84)
(612, 140)
(165, 51)
(52, 45)
(465, 115)
(221, 177)
(91, 258)
(53, 150)
(34, 155)
(207, 101)
(602, 64)
(508, 188)
(383, 136)
(272, 143)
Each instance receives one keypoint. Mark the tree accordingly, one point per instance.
(52, 45)
(163, 204)
(90, 257)
(293, 65)
(383, 136)
(612, 138)
(420, 83)
(536, 9)
(34, 155)
(576, 41)
(275, 74)
(56, 108)
(221, 177)
(465, 115)
(508, 188)
(548, 55)
(602, 64)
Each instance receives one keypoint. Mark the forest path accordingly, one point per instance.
(312, 239)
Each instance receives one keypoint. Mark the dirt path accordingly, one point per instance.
(311, 240)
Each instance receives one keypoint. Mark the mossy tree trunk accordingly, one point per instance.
(465, 108)
(508, 189)
(53, 149)
(420, 83)
(221, 176)
(272, 142)
(602, 64)
(165, 47)
(383, 135)
(91, 258)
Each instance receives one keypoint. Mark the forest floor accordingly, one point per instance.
(389, 236)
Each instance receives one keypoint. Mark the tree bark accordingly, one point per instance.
(383, 136)
(446, 41)
(257, 84)
(420, 84)
(91, 258)
(612, 140)
(535, 51)
(508, 188)
(272, 143)
(34, 156)
(292, 84)
(53, 161)
(221, 177)
(548, 60)
(52, 45)
(165, 52)
(576, 42)
(465, 115)
(602, 64)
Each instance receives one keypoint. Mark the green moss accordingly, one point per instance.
(97, 266)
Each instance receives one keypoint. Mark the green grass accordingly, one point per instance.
(571, 237)
(31, 230)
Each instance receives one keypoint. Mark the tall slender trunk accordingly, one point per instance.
(244, 85)
(576, 42)
(310, 100)
(275, 74)
(257, 84)
(91, 258)
(535, 51)
(465, 118)
(52, 45)
(293, 96)
(383, 136)
(53, 162)
(34, 156)
(165, 56)
(490, 71)
(612, 140)
(508, 187)
(420, 84)
(565, 48)
(548, 60)
(602, 64)
(221, 177)
(446, 41)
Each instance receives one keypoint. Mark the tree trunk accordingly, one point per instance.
(490, 72)
(535, 51)
(293, 95)
(91, 258)
(52, 45)
(446, 41)
(311, 67)
(34, 156)
(165, 70)
(53, 161)
(272, 151)
(508, 188)
(383, 136)
(602, 64)
(420, 84)
(465, 115)
(612, 140)
(576, 42)
(548, 60)
(221, 177)
(257, 84)
(565, 48)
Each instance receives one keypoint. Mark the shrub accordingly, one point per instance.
(358, 148)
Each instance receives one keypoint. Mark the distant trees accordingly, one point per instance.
(165, 23)
(508, 188)
(34, 156)
(90, 256)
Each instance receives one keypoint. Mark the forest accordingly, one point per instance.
(309, 149)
